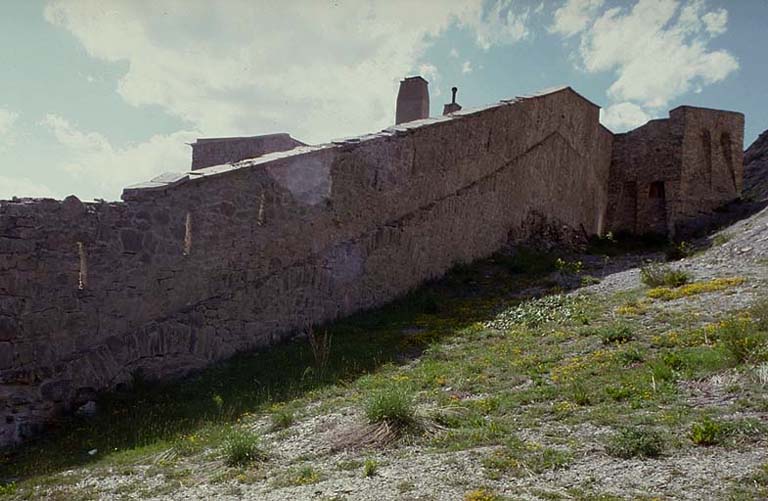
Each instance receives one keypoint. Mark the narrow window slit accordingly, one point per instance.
(260, 217)
(188, 235)
(82, 277)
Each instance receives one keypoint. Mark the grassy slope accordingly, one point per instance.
(484, 364)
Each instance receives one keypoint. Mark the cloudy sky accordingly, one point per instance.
(96, 95)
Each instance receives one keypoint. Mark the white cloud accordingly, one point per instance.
(305, 67)
(623, 116)
(716, 21)
(310, 68)
(574, 16)
(500, 24)
(102, 171)
(7, 121)
(658, 50)
(20, 186)
(466, 68)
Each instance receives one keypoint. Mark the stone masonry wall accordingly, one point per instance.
(217, 151)
(236, 257)
(670, 171)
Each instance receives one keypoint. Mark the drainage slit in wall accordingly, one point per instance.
(260, 217)
(82, 278)
(187, 235)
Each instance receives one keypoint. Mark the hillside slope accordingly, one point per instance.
(616, 390)
(756, 169)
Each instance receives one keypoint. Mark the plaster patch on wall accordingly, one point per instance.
(307, 177)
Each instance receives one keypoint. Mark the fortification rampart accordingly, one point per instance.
(667, 173)
(192, 268)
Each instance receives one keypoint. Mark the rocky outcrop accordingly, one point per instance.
(756, 169)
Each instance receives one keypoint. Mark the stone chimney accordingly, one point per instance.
(412, 100)
(453, 105)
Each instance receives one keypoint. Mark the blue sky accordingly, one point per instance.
(97, 95)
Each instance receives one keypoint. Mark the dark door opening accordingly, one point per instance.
(628, 207)
(657, 208)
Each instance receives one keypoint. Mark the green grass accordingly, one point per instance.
(657, 275)
(519, 458)
(304, 475)
(393, 405)
(616, 334)
(707, 432)
(281, 418)
(679, 250)
(721, 239)
(481, 363)
(753, 485)
(744, 340)
(241, 447)
(636, 442)
(370, 468)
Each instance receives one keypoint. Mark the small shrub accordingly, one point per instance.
(521, 458)
(618, 393)
(721, 239)
(717, 284)
(481, 495)
(581, 395)
(305, 476)
(588, 280)
(631, 356)
(656, 275)
(661, 371)
(569, 267)
(636, 442)
(759, 314)
(369, 468)
(241, 447)
(707, 432)
(616, 334)
(392, 405)
(632, 308)
(187, 445)
(282, 418)
(7, 489)
(743, 341)
(679, 250)
(321, 350)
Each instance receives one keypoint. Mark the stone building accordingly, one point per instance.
(192, 267)
(224, 150)
(670, 171)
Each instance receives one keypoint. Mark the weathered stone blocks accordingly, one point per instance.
(193, 267)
